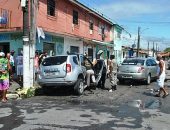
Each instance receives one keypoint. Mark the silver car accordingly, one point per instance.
(144, 69)
(64, 70)
(168, 64)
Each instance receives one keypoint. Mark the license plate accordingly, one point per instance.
(129, 77)
(52, 74)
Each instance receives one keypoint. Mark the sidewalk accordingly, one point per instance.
(13, 87)
(12, 92)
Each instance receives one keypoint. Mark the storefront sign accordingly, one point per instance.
(4, 37)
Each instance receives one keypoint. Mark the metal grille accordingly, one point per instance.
(5, 18)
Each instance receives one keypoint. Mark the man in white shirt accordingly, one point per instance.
(161, 77)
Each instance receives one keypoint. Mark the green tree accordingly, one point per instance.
(167, 49)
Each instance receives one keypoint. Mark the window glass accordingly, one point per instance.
(153, 63)
(148, 63)
(51, 7)
(54, 60)
(91, 25)
(81, 60)
(75, 60)
(133, 62)
(74, 49)
(75, 17)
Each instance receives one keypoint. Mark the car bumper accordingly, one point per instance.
(55, 82)
(134, 76)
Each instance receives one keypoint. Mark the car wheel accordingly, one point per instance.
(148, 81)
(79, 87)
(121, 81)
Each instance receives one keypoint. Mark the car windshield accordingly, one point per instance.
(58, 60)
(133, 62)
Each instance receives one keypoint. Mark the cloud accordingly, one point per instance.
(133, 8)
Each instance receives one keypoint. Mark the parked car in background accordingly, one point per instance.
(144, 69)
(168, 64)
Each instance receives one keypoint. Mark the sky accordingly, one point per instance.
(152, 16)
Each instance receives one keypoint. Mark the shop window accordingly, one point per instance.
(51, 7)
(102, 33)
(49, 48)
(75, 17)
(74, 49)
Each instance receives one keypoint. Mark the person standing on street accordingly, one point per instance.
(12, 63)
(89, 71)
(36, 64)
(161, 77)
(100, 56)
(4, 76)
(19, 61)
(113, 73)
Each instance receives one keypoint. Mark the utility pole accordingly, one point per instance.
(26, 50)
(138, 43)
(148, 48)
(153, 50)
(156, 48)
(33, 12)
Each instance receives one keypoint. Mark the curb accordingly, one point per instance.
(21, 93)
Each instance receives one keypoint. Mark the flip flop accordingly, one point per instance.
(3, 100)
(164, 96)
(157, 95)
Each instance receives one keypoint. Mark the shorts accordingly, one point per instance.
(4, 84)
(20, 70)
(36, 70)
(160, 81)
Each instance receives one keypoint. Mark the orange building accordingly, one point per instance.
(68, 26)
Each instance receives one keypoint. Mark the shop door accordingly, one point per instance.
(90, 54)
(4, 47)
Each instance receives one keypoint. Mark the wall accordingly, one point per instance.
(16, 13)
(72, 42)
(62, 22)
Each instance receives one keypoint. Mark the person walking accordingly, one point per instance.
(4, 75)
(161, 77)
(112, 73)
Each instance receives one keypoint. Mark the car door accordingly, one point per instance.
(81, 63)
(154, 68)
(149, 67)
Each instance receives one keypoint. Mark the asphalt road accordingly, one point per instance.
(131, 107)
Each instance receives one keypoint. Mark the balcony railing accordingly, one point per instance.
(5, 18)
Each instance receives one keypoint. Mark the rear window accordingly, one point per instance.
(133, 62)
(54, 60)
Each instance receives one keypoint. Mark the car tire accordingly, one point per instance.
(46, 90)
(79, 87)
(121, 81)
(148, 80)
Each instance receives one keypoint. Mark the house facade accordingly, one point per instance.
(69, 26)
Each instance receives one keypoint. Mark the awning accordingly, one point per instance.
(108, 44)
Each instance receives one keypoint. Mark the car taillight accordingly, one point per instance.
(68, 68)
(141, 69)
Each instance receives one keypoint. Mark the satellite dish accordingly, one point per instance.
(134, 45)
